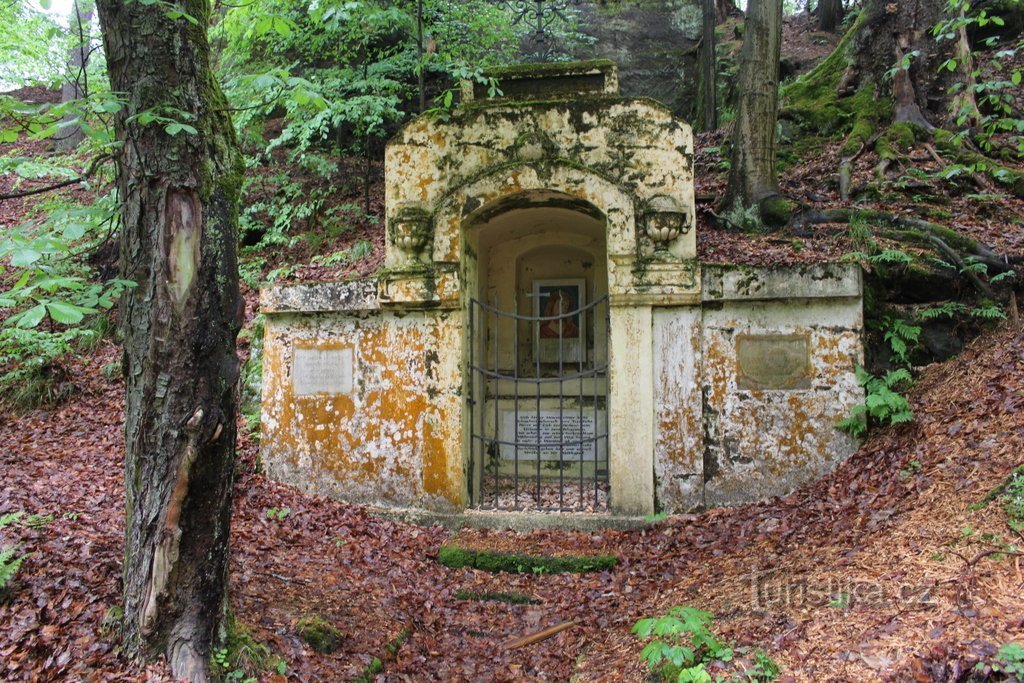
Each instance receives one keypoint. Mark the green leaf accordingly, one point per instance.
(25, 256)
(177, 127)
(66, 313)
(32, 316)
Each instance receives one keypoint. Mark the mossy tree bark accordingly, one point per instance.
(179, 194)
(896, 39)
(753, 180)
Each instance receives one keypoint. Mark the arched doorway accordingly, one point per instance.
(537, 361)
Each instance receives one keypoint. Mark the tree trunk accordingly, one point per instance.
(830, 13)
(752, 175)
(179, 194)
(725, 9)
(708, 68)
(75, 85)
(895, 44)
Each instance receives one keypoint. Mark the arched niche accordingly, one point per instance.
(460, 218)
(541, 238)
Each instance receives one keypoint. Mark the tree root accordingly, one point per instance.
(1010, 178)
(936, 236)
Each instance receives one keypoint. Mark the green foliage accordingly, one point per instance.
(455, 557)
(376, 665)
(11, 557)
(278, 514)
(1013, 502)
(883, 405)
(684, 645)
(32, 46)
(10, 562)
(318, 633)
(1008, 661)
(1001, 126)
(33, 375)
(52, 292)
(901, 336)
(241, 657)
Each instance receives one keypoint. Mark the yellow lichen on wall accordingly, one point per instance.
(397, 438)
(763, 442)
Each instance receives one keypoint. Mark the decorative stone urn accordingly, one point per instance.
(665, 221)
(411, 232)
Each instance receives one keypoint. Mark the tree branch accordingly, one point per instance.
(64, 183)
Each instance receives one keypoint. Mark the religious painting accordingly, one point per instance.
(560, 335)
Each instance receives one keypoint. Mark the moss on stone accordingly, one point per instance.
(539, 69)
(455, 557)
(318, 633)
(776, 210)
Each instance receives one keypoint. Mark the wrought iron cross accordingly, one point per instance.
(539, 16)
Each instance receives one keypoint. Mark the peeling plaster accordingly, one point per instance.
(684, 435)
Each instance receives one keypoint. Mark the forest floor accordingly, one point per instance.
(877, 572)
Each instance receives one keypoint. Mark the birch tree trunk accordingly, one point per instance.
(179, 191)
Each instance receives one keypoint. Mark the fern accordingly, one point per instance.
(891, 256)
(988, 311)
(883, 404)
(10, 562)
(949, 308)
(901, 337)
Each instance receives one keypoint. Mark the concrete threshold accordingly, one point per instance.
(514, 521)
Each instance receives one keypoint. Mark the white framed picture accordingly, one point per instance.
(560, 332)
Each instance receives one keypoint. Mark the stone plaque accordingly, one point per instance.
(552, 428)
(322, 371)
(773, 361)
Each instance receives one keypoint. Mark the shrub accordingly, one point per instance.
(685, 646)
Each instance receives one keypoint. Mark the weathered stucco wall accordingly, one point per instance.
(395, 438)
(748, 389)
(629, 159)
(724, 383)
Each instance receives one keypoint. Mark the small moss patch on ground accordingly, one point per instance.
(514, 563)
(318, 633)
(491, 596)
(377, 665)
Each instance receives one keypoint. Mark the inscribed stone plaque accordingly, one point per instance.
(773, 361)
(322, 371)
(566, 435)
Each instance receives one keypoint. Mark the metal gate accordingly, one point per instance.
(538, 395)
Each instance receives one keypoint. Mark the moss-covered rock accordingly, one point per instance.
(318, 633)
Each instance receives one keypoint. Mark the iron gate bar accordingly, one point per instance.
(490, 446)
